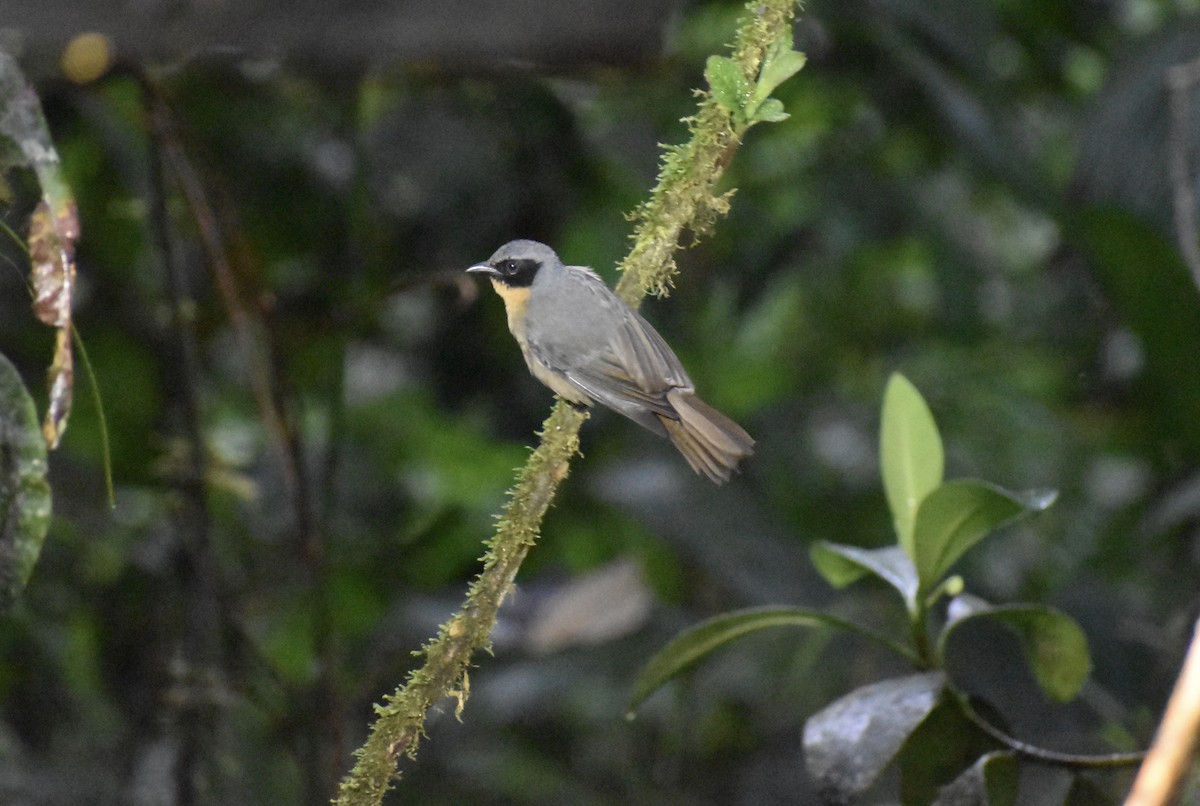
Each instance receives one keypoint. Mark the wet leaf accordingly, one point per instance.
(851, 741)
(24, 493)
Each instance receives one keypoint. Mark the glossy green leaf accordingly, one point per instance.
(24, 493)
(1054, 643)
(841, 564)
(728, 84)
(957, 515)
(694, 643)
(910, 452)
(990, 781)
(852, 740)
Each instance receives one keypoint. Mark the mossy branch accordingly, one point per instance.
(683, 200)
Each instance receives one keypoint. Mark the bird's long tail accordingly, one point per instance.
(712, 443)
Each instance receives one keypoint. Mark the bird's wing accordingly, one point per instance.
(647, 357)
(607, 350)
(632, 366)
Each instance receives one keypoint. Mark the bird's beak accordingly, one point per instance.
(483, 267)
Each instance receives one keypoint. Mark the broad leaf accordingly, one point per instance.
(24, 493)
(956, 516)
(1054, 644)
(910, 453)
(694, 643)
(841, 564)
(851, 741)
(990, 781)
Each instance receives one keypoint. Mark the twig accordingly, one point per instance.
(682, 200)
(198, 674)
(1161, 777)
(1044, 755)
(320, 757)
(246, 327)
(1181, 79)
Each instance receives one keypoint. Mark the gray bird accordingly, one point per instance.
(582, 340)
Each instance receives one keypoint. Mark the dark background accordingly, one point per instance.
(975, 194)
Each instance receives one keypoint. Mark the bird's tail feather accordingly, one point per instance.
(711, 443)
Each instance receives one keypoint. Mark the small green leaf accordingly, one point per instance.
(769, 111)
(729, 84)
(24, 493)
(1054, 644)
(780, 65)
(957, 515)
(852, 740)
(784, 43)
(990, 781)
(694, 643)
(910, 452)
(841, 564)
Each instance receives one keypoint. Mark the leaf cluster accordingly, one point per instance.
(849, 743)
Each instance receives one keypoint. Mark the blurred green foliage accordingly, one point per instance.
(964, 191)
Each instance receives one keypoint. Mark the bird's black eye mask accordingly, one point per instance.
(518, 273)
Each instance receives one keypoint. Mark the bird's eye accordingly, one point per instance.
(508, 267)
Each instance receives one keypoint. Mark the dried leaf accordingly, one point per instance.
(52, 263)
(61, 379)
(52, 269)
(53, 230)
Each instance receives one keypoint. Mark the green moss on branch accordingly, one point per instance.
(684, 199)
